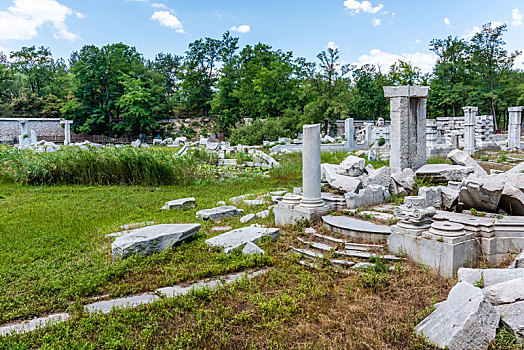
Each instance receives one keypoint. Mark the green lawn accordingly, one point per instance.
(53, 249)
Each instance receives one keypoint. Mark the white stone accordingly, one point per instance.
(247, 218)
(433, 195)
(31, 325)
(506, 292)
(352, 166)
(340, 182)
(466, 320)
(311, 169)
(152, 239)
(405, 179)
(369, 169)
(488, 276)
(443, 172)
(482, 192)
(180, 204)
(449, 197)
(470, 115)
(252, 249)
(380, 176)
(237, 238)
(518, 263)
(219, 213)
(263, 214)
(512, 200)
(459, 157)
(513, 316)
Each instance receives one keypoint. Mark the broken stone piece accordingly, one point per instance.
(459, 157)
(180, 204)
(351, 166)
(237, 238)
(252, 249)
(219, 213)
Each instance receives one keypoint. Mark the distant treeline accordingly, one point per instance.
(114, 90)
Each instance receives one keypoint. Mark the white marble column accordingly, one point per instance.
(24, 137)
(311, 170)
(470, 120)
(514, 128)
(349, 129)
(67, 131)
(408, 126)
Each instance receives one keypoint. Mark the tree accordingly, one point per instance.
(37, 65)
(368, 98)
(489, 59)
(404, 73)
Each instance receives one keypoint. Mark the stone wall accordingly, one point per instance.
(10, 128)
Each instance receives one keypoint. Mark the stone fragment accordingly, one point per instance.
(221, 203)
(254, 202)
(506, 292)
(262, 214)
(252, 249)
(180, 203)
(340, 182)
(459, 157)
(466, 320)
(449, 197)
(512, 200)
(237, 238)
(518, 263)
(517, 169)
(482, 192)
(152, 239)
(31, 325)
(351, 166)
(405, 179)
(439, 173)
(433, 195)
(488, 277)
(513, 316)
(380, 176)
(247, 218)
(369, 169)
(219, 213)
(371, 195)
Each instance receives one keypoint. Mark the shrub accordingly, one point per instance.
(381, 141)
(263, 130)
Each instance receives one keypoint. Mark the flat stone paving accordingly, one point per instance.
(237, 238)
(219, 213)
(353, 224)
(133, 301)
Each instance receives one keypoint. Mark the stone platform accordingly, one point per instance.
(355, 228)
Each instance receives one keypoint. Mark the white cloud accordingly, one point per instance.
(22, 20)
(244, 28)
(468, 34)
(517, 17)
(80, 15)
(331, 45)
(423, 61)
(168, 20)
(376, 22)
(519, 61)
(365, 6)
(158, 5)
(417, 40)
(447, 22)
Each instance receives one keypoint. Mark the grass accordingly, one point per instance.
(53, 250)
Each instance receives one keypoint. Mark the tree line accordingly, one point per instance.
(114, 90)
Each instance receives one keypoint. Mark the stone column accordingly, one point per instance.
(67, 131)
(514, 128)
(311, 170)
(408, 126)
(24, 137)
(349, 130)
(470, 120)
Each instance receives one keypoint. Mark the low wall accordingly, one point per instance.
(10, 128)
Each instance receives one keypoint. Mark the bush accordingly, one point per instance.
(381, 141)
(263, 130)
(107, 166)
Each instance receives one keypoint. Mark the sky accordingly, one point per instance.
(378, 32)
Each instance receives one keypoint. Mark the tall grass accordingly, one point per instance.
(108, 166)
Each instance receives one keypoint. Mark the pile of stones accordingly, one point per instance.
(480, 303)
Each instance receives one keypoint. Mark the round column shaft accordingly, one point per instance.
(311, 171)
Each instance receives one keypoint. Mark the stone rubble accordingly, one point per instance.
(180, 204)
(219, 213)
(238, 238)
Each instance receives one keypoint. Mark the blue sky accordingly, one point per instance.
(364, 31)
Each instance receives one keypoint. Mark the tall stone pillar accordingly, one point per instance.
(67, 131)
(514, 128)
(311, 170)
(349, 130)
(470, 120)
(408, 126)
(24, 136)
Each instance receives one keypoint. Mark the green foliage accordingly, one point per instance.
(480, 283)
(263, 130)
(376, 277)
(502, 157)
(106, 166)
(381, 141)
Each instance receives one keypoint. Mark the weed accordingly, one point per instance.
(480, 282)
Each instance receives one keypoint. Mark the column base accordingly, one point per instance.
(287, 216)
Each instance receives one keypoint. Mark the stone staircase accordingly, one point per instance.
(343, 254)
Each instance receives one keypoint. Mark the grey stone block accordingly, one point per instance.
(180, 203)
(152, 239)
(506, 292)
(340, 182)
(489, 276)
(247, 218)
(356, 228)
(518, 263)
(466, 320)
(219, 213)
(237, 238)
(459, 157)
(513, 316)
(252, 249)
(351, 166)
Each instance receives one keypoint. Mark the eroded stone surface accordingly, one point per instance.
(237, 238)
(443, 172)
(352, 166)
(518, 263)
(506, 292)
(252, 249)
(219, 213)
(513, 316)
(30, 325)
(459, 157)
(180, 203)
(340, 182)
(488, 276)
(152, 239)
(247, 218)
(466, 320)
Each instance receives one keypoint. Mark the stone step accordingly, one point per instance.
(351, 253)
(349, 245)
(356, 228)
(350, 269)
